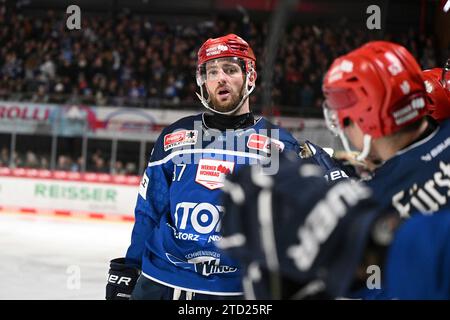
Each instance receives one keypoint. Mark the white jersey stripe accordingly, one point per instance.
(208, 151)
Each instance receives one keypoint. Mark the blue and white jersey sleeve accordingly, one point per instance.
(152, 201)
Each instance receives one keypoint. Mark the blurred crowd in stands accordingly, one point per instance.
(96, 162)
(132, 61)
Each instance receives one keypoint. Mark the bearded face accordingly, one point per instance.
(224, 82)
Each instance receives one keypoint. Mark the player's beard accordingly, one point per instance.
(229, 104)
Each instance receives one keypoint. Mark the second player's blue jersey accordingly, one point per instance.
(179, 210)
(417, 178)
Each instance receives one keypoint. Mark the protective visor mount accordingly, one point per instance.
(332, 122)
(202, 77)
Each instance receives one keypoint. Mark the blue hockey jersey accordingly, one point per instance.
(178, 211)
(417, 262)
(419, 259)
(417, 178)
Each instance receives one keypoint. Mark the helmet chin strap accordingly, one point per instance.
(335, 128)
(238, 106)
(366, 148)
(367, 139)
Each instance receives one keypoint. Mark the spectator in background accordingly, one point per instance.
(153, 63)
(306, 95)
(118, 168)
(44, 163)
(31, 160)
(100, 165)
(77, 166)
(130, 168)
(64, 163)
(4, 157)
(17, 160)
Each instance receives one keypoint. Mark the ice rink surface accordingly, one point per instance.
(58, 258)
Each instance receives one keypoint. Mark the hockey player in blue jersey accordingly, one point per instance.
(297, 237)
(376, 99)
(178, 211)
(318, 243)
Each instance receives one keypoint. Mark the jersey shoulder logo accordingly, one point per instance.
(180, 138)
(263, 143)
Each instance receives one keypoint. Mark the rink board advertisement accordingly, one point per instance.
(77, 193)
(77, 120)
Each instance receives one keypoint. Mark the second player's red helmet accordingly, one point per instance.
(437, 83)
(229, 46)
(378, 86)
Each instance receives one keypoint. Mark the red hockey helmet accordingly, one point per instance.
(229, 46)
(379, 86)
(438, 92)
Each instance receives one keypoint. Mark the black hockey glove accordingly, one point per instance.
(333, 172)
(121, 280)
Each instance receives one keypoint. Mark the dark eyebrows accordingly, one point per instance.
(231, 65)
(226, 64)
